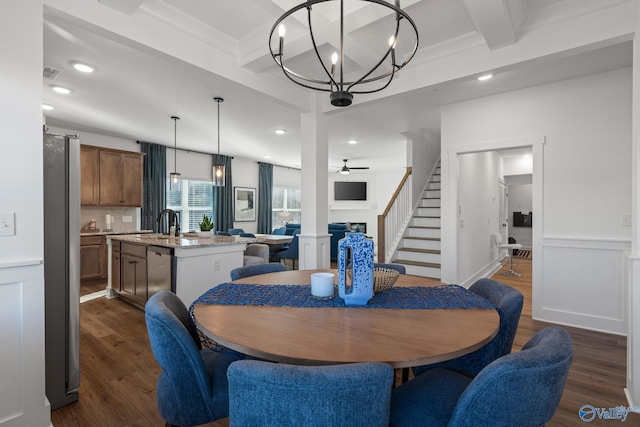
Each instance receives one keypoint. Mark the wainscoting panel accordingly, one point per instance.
(584, 284)
(22, 388)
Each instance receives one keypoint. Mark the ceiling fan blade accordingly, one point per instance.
(362, 167)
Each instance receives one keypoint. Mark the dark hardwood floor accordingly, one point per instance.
(597, 374)
(118, 371)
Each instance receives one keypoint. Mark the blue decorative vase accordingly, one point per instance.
(356, 252)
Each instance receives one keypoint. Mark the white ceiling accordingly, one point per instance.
(135, 89)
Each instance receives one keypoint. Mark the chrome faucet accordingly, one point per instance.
(173, 217)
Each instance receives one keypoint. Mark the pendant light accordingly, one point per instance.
(218, 168)
(174, 177)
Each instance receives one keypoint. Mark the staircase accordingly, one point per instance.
(419, 249)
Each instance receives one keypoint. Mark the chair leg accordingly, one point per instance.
(510, 272)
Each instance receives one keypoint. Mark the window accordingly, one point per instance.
(286, 204)
(191, 200)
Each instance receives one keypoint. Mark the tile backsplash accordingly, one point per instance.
(118, 215)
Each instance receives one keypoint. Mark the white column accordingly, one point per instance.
(633, 334)
(314, 239)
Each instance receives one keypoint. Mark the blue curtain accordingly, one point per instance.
(265, 190)
(154, 173)
(223, 196)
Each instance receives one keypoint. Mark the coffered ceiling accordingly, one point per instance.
(158, 58)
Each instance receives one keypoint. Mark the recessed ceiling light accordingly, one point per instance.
(266, 156)
(526, 155)
(485, 77)
(353, 141)
(47, 107)
(61, 89)
(83, 67)
(280, 131)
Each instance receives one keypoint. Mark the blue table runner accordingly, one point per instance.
(417, 297)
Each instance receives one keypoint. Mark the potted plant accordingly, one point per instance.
(205, 227)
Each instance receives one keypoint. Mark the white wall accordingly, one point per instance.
(586, 167)
(380, 188)
(423, 152)
(22, 372)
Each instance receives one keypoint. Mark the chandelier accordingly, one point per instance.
(338, 73)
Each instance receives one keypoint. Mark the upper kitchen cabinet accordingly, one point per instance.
(90, 175)
(120, 178)
(111, 177)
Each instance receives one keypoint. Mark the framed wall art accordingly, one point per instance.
(244, 204)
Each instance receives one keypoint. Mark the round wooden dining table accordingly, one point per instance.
(333, 335)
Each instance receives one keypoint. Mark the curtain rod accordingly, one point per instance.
(182, 149)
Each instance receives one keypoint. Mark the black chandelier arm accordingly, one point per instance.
(315, 48)
(386, 55)
(291, 74)
(391, 74)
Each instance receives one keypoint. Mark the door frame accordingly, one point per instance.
(450, 202)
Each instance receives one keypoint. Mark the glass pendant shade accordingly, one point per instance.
(174, 177)
(218, 175)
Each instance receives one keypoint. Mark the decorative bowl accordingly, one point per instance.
(383, 278)
(205, 234)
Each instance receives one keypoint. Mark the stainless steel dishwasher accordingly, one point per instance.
(159, 270)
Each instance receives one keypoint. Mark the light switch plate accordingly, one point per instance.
(7, 224)
(127, 219)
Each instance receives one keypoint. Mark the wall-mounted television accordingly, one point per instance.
(350, 190)
(522, 220)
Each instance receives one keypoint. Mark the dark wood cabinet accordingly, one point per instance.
(120, 178)
(89, 175)
(93, 257)
(133, 273)
(110, 177)
(116, 257)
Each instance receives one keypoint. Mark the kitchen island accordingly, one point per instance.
(142, 264)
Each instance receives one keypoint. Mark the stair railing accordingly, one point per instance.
(392, 222)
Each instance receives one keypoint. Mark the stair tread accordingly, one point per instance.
(422, 238)
(416, 263)
(426, 216)
(424, 226)
(423, 251)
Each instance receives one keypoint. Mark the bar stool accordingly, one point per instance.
(497, 238)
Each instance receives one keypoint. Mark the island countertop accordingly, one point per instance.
(85, 232)
(182, 242)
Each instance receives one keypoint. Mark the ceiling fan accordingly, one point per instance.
(345, 169)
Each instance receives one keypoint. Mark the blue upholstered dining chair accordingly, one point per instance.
(222, 233)
(254, 270)
(250, 235)
(399, 268)
(235, 231)
(290, 252)
(520, 389)
(279, 231)
(265, 394)
(192, 387)
(508, 299)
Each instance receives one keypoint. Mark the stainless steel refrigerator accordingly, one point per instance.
(61, 162)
